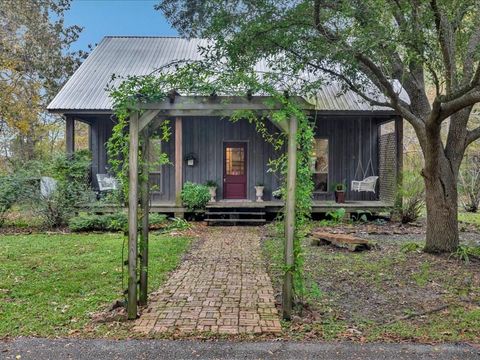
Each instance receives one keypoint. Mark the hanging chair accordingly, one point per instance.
(369, 183)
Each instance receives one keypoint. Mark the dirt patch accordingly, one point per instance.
(385, 293)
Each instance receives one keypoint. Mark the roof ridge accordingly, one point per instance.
(151, 36)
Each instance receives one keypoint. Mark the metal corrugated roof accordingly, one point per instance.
(140, 55)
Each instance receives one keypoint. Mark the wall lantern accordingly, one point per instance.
(191, 159)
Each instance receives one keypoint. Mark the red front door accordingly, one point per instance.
(235, 170)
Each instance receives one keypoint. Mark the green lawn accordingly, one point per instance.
(50, 284)
(470, 218)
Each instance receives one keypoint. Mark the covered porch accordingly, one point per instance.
(274, 206)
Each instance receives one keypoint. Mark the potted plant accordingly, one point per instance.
(259, 192)
(340, 189)
(212, 188)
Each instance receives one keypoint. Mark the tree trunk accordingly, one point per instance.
(442, 210)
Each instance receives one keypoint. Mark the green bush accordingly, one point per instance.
(108, 222)
(88, 222)
(195, 196)
(9, 189)
(72, 188)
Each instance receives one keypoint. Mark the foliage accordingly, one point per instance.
(177, 224)
(108, 222)
(411, 246)
(465, 252)
(195, 196)
(51, 284)
(469, 183)
(72, 188)
(35, 61)
(125, 97)
(470, 218)
(413, 197)
(211, 183)
(10, 188)
(339, 187)
(372, 48)
(337, 215)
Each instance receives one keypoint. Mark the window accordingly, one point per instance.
(155, 177)
(320, 165)
(235, 160)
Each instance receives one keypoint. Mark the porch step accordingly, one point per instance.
(234, 213)
(217, 215)
(235, 220)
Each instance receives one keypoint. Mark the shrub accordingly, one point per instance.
(336, 216)
(195, 196)
(10, 187)
(87, 222)
(117, 221)
(469, 183)
(413, 197)
(16, 188)
(72, 188)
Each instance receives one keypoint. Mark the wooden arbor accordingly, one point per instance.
(198, 106)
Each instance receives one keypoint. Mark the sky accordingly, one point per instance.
(115, 17)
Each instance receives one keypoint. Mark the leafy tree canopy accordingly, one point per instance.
(34, 63)
(376, 48)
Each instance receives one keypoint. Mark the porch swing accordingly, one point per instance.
(369, 183)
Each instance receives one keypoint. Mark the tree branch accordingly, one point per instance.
(472, 135)
(472, 48)
(445, 38)
(470, 98)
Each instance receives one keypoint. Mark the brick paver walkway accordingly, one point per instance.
(222, 287)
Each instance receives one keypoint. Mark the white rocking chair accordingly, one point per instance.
(367, 184)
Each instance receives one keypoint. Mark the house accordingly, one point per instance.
(353, 139)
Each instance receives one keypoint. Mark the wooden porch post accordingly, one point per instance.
(287, 302)
(399, 146)
(132, 217)
(178, 161)
(144, 203)
(69, 134)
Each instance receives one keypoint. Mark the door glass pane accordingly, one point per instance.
(235, 160)
(320, 165)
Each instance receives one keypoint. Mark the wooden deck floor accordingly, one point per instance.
(275, 206)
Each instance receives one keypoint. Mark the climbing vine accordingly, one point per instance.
(204, 79)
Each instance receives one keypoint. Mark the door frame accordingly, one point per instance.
(247, 157)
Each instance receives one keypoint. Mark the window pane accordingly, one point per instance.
(320, 164)
(235, 161)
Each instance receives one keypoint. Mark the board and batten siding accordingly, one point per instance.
(350, 138)
(204, 138)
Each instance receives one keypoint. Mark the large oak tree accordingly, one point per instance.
(374, 48)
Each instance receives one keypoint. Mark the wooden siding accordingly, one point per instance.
(100, 131)
(204, 137)
(351, 138)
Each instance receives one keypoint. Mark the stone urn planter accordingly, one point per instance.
(259, 192)
(212, 188)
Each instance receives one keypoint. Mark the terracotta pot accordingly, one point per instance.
(340, 197)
